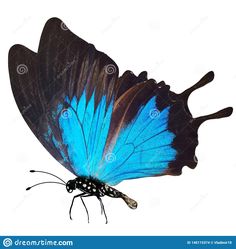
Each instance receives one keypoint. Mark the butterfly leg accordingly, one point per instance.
(103, 208)
(85, 206)
(79, 195)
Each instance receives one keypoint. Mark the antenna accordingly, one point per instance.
(38, 171)
(44, 183)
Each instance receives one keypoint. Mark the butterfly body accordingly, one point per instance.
(93, 187)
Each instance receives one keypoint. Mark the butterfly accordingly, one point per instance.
(102, 127)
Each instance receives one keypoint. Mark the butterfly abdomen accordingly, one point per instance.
(97, 188)
(114, 193)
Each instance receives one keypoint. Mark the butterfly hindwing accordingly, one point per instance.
(141, 143)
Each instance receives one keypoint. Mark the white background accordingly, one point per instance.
(175, 41)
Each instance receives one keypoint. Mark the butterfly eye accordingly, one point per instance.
(69, 189)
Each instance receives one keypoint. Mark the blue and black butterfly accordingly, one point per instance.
(102, 127)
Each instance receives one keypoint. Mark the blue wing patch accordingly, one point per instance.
(84, 131)
(142, 149)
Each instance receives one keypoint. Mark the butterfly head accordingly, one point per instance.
(70, 186)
